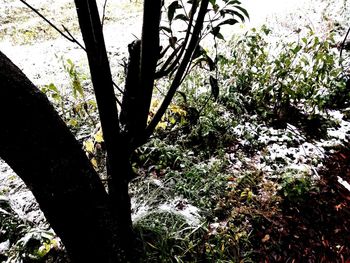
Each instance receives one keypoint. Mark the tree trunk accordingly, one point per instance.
(39, 147)
(118, 164)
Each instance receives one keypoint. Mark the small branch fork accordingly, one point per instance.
(181, 70)
(104, 13)
(67, 35)
(343, 44)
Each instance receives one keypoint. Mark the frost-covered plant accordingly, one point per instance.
(74, 103)
(270, 78)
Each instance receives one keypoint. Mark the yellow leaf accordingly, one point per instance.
(98, 136)
(161, 125)
(178, 110)
(73, 122)
(89, 146)
(44, 249)
(94, 163)
(154, 103)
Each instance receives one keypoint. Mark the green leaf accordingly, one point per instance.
(99, 136)
(77, 87)
(52, 87)
(92, 103)
(181, 17)
(296, 49)
(230, 21)
(172, 120)
(165, 29)
(216, 7)
(56, 97)
(234, 13)
(171, 10)
(73, 122)
(232, 2)
(220, 36)
(243, 10)
(70, 62)
(316, 41)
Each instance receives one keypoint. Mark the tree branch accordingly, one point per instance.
(181, 70)
(104, 13)
(149, 56)
(163, 72)
(118, 166)
(69, 37)
(166, 68)
(343, 45)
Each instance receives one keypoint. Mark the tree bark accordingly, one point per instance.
(118, 164)
(129, 114)
(149, 55)
(39, 147)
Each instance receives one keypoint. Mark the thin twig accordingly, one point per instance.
(343, 44)
(118, 88)
(68, 37)
(181, 70)
(73, 38)
(104, 13)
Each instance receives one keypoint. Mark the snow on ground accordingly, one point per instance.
(178, 206)
(17, 195)
(42, 61)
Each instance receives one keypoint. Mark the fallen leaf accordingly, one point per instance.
(265, 238)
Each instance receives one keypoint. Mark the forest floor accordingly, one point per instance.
(259, 215)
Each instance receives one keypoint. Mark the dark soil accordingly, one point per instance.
(315, 229)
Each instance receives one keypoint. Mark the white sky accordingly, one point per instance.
(260, 9)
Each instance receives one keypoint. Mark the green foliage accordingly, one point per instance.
(180, 37)
(161, 155)
(25, 242)
(167, 237)
(11, 227)
(220, 13)
(33, 246)
(270, 78)
(294, 188)
(202, 184)
(224, 243)
(185, 173)
(76, 107)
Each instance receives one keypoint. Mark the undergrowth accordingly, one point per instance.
(246, 159)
